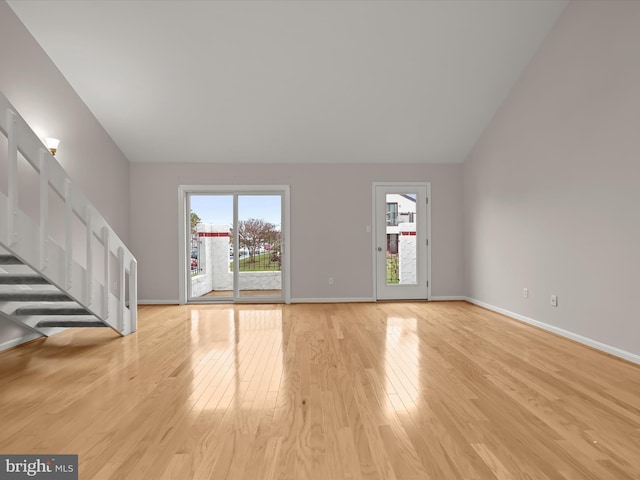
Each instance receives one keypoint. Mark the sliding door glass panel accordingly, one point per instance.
(210, 246)
(259, 240)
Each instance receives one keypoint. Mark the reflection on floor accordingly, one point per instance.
(383, 391)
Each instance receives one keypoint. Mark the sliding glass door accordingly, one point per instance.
(235, 244)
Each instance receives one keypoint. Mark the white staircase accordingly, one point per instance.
(61, 264)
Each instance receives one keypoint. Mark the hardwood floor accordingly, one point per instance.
(328, 391)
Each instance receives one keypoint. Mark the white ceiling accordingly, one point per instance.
(291, 81)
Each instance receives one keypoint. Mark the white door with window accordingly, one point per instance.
(401, 241)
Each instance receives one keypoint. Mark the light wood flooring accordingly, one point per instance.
(329, 391)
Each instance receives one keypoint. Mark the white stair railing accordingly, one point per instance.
(84, 257)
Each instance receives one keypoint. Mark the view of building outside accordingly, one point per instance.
(401, 213)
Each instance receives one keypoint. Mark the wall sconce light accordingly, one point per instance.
(52, 145)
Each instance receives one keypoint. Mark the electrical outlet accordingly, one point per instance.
(554, 300)
(525, 293)
(330, 280)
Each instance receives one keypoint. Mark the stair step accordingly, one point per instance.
(70, 323)
(34, 296)
(45, 310)
(22, 280)
(9, 260)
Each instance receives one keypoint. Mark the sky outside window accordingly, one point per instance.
(218, 209)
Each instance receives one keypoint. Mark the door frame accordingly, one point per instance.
(374, 255)
(183, 251)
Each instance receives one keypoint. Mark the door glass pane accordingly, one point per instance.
(211, 246)
(260, 248)
(401, 239)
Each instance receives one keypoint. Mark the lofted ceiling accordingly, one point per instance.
(291, 81)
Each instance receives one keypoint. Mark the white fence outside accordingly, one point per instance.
(214, 272)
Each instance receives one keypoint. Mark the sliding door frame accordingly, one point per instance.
(183, 251)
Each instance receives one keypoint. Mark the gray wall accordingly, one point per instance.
(552, 189)
(51, 107)
(331, 206)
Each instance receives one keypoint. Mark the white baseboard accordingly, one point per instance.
(333, 300)
(158, 302)
(18, 341)
(448, 298)
(632, 357)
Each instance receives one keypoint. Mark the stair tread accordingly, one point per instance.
(22, 279)
(34, 296)
(9, 260)
(70, 323)
(50, 310)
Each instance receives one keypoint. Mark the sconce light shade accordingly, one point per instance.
(52, 144)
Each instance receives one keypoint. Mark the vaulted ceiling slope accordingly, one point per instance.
(291, 81)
